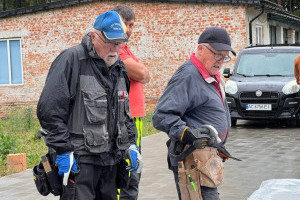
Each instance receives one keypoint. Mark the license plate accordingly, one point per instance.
(259, 107)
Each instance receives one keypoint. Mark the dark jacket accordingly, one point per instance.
(190, 100)
(62, 91)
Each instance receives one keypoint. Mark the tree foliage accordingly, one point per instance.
(14, 4)
(289, 5)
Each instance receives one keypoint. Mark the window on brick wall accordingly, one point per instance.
(11, 72)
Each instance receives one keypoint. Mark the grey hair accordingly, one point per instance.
(201, 44)
(125, 12)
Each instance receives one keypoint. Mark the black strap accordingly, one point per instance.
(198, 145)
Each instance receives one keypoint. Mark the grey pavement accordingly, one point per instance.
(268, 151)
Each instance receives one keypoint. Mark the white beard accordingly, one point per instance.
(110, 61)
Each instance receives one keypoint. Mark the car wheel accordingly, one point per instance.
(233, 121)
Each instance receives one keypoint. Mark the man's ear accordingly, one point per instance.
(200, 49)
(93, 36)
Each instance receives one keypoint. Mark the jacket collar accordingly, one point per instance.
(207, 77)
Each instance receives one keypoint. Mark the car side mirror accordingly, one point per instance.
(226, 73)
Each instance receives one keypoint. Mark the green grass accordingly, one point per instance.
(148, 128)
(18, 135)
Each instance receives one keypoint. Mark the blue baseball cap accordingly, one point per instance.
(111, 26)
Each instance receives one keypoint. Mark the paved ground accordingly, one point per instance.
(268, 151)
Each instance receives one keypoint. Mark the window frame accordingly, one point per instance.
(297, 37)
(9, 62)
(259, 34)
(273, 34)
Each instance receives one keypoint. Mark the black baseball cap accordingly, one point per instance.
(218, 38)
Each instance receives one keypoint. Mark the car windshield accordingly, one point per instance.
(267, 64)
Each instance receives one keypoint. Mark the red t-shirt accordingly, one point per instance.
(136, 93)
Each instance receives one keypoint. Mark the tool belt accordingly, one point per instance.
(202, 167)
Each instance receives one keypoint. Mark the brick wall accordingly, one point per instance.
(165, 36)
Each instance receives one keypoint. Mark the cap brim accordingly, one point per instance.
(115, 37)
(222, 47)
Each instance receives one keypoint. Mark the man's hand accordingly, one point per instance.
(63, 163)
(189, 136)
(135, 158)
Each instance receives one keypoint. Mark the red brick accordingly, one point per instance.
(164, 37)
(16, 162)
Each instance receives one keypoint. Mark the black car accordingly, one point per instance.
(262, 84)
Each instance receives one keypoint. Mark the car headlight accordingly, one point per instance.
(290, 88)
(231, 87)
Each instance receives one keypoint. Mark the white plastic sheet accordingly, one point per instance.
(277, 189)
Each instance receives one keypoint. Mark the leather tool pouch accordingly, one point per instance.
(188, 192)
(202, 167)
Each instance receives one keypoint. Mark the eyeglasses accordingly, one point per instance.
(117, 44)
(219, 57)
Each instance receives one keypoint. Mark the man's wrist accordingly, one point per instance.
(183, 133)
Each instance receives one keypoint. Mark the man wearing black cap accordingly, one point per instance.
(84, 108)
(192, 105)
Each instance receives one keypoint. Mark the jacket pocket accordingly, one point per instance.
(96, 138)
(69, 191)
(123, 139)
(95, 103)
(123, 103)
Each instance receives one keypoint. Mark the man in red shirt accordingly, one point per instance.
(139, 75)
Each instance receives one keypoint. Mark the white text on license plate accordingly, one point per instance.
(258, 107)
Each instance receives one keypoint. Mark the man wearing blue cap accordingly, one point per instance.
(193, 108)
(84, 108)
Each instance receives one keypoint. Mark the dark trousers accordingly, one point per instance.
(207, 193)
(92, 183)
(131, 192)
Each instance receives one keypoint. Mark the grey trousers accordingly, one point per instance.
(207, 193)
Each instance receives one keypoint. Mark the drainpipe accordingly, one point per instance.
(250, 23)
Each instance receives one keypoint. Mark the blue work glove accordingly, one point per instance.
(135, 158)
(63, 163)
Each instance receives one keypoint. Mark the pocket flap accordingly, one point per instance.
(93, 94)
(95, 135)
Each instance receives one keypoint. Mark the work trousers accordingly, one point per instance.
(132, 190)
(92, 182)
(207, 193)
